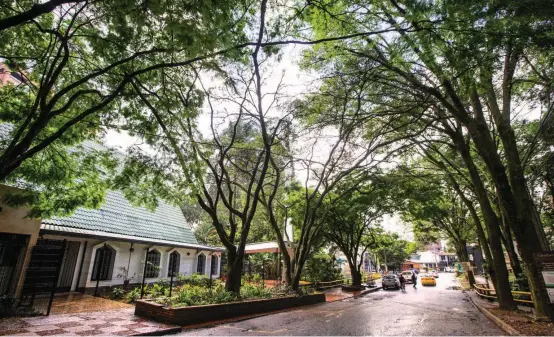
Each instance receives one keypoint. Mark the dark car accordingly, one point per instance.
(391, 281)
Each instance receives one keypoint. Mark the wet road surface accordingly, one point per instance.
(422, 311)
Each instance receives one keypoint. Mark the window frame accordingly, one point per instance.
(106, 273)
(201, 267)
(173, 264)
(213, 264)
(153, 261)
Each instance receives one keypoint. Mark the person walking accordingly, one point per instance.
(414, 279)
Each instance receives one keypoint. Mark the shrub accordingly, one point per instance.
(182, 278)
(257, 278)
(191, 295)
(199, 280)
(133, 295)
(251, 291)
(322, 267)
(117, 293)
(158, 289)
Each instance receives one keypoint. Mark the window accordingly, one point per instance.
(104, 260)
(174, 261)
(201, 262)
(443, 258)
(470, 257)
(153, 264)
(214, 265)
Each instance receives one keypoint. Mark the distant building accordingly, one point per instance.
(430, 259)
(475, 255)
(439, 260)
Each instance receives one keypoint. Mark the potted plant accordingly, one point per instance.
(124, 274)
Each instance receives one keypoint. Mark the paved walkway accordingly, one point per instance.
(77, 302)
(89, 316)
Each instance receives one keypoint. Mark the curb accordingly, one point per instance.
(191, 327)
(162, 332)
(367, 291)
(508, 329)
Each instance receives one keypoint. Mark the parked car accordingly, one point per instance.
(391, 281)
(434, 273)
(408, 276)
(449, 269)
(428, 280)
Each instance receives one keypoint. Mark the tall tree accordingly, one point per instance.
(74, 67)
(351, 220)
(468, 61)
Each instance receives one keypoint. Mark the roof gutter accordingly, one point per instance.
(83, 233)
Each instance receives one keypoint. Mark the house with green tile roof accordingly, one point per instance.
(121, 241)
(115, 244)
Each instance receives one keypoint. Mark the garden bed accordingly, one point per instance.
(213, 312)
(523, 322)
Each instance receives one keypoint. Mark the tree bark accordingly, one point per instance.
(461, 250)
(234, 272)
(356, 274)
(35, 11)
(497, 266)
(526, 235)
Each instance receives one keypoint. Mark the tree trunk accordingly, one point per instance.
(482, 238)
(525, 234)
(356, 274)
(497, 265)
(508, 242)
(234, 272)
(295, 285)
(461, 250)
(515, 198)
(510, 249)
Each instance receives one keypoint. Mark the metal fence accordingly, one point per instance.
(519, 296)
(28, 289)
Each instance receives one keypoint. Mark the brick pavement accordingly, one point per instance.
(121, 322)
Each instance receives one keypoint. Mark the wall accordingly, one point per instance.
(135, 261)
(12, 220)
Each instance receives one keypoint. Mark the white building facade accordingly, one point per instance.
(115, 245)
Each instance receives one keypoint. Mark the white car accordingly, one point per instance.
(407, 276)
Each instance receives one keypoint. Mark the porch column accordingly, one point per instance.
(76, 272)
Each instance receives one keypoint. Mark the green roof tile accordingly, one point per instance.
(119, 216)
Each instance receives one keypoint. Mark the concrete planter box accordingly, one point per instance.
(214, 312)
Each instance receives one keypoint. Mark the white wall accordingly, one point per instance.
(136, 263)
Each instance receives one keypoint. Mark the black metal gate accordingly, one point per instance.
(12, 254)
(42, 276)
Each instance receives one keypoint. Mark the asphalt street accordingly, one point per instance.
(438, 310)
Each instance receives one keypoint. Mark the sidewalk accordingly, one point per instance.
(337, 294)
(121, 322)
